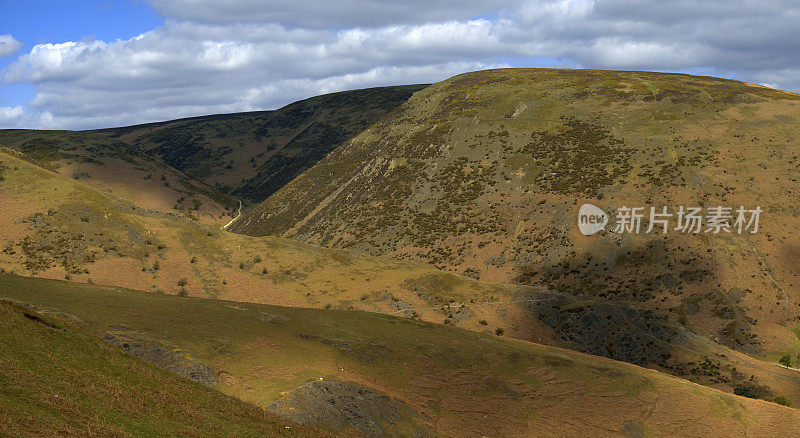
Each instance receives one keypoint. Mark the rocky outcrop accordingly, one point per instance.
(177, 361)
(341, 405)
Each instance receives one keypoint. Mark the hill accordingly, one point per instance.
(401, 377)
(251, 155)
(483, 175)
(61, 228)
(122, 171)
(57, 227)
(200, 166)
(59, 380)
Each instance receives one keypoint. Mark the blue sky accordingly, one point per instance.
(37, 22)
(91, 64)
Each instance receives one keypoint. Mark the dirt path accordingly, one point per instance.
(292, 231)
(238, 215)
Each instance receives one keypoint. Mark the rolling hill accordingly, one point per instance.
(483, 175)
(121, 171)
(200, 167)
(60, 228)
(59, 380)
(377, 374)
(251, 155)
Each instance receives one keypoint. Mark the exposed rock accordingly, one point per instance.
(340, 405)
(400, 305)
(177, 361)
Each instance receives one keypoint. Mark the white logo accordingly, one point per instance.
(591, 219)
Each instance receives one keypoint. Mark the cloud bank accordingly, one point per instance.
(213, 56)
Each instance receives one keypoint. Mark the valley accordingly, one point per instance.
(405, 261)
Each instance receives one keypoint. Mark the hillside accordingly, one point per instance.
(395, 376)
(59, 380)
(483, 175)
(61, 228)
(122, 171)
(251, 155)
(198, 167)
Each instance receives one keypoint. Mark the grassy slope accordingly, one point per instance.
(251, 155)
(56, 379)
(184, 166)
(483, 174)
(56, 227)
(465, 383)
(121, 170)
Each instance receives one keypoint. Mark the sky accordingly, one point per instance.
(102, 63)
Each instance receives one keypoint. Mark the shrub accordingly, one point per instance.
(499, 331)
(782, 400)
(182, 282)
(751, 390)
(785, 360)
(483, 322)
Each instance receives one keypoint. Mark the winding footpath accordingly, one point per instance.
(238, 215)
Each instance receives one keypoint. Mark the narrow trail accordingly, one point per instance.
(238, 215)
(292, 231)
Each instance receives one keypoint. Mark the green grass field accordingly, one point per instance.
(457, 382)
(55, 379)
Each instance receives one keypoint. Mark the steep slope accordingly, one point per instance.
(483, 174)
(251, 155)
(59, 381)
(57, 227)
(200, 166)
(412, 378)
(122, 171)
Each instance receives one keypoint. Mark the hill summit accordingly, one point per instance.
(484, 174)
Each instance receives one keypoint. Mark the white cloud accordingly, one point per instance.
(329, 14)
(16, 117)
(200, 63)
(170, 72)
(11, 113)
(532, 10)
(8, 45)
